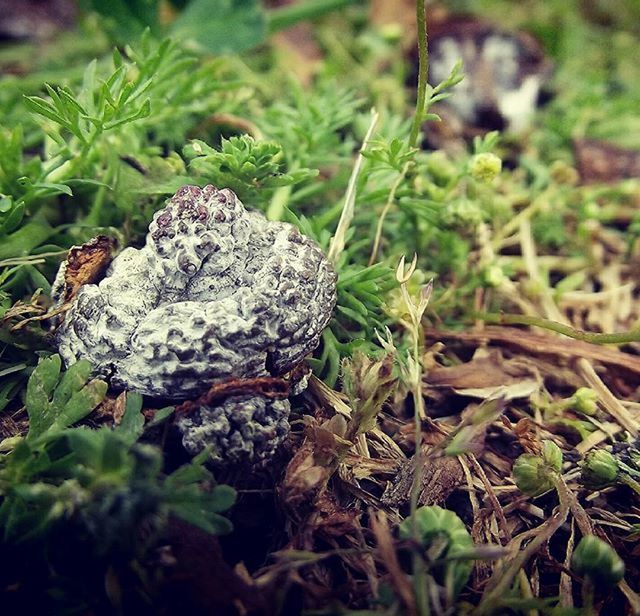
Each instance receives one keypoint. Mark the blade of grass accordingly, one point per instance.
(338, 240)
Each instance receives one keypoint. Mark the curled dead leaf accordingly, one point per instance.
(315, 462)
(86, 264)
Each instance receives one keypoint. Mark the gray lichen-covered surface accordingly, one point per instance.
(216, 292)
(240, 429)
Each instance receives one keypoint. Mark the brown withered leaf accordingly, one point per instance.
(86, 264)
(25, 313)
(521, 389)
(599, 161)
(338, 525)
(25, 310)
(313, 464)
(442, 474)
(525, 431)
(110, 410)
(330, 520)
(363, 467)
(272, 387)
(482, 373)
(440, 477)
(13, 424)
(544, 345)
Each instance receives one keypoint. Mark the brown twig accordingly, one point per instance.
(491, 496)
(387, 552)
(502, 579)
(268, 386)
(539, 344)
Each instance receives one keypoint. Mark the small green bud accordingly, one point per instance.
(562, 173)
(531, 475)
(598, 560)
(432, 523)
(599, 468)
(585, 400)
(493, 276)
(175, 163)
(552, 455)
(533, 289)
(591, 209)
(434, 192)
(392, 32)
(485, 167)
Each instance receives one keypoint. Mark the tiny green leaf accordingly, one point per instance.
(81, 404)
(72, 381)
(132, 422)
(13, 220)
(39, 389)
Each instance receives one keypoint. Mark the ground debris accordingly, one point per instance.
(342, 499)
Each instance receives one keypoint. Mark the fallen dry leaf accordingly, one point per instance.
(86, 264)
(314, 463)
(542, 344)
(440, 477)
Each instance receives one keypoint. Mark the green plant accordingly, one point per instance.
(600, 566)
(60, 473)
(55, 403)
(601, 468)
(445, 538)
(509, 228)
(252, 169)
(534, 474)
(368, 383)
(595, 558)
(100, 488)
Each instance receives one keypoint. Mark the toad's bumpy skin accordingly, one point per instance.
(216, 292)
(241, 428)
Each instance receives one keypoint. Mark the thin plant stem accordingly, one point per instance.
(587, 597)
(423, 72)
(419, 569)
(632, 483)
(418, 564)
(423, 75)
(385, 210)
(339, 238)
(632, 335)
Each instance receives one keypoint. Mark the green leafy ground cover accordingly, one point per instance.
(101, 125)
